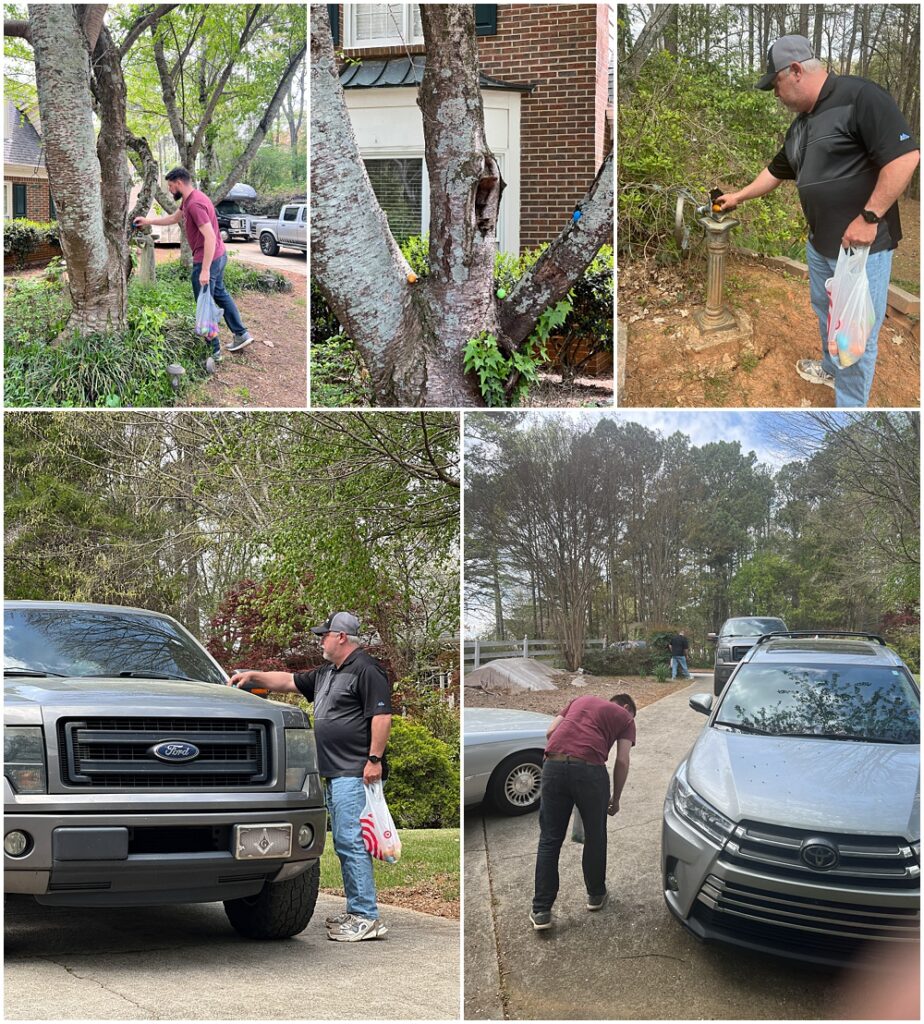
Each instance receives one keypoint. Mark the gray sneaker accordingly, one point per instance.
(358, 928)
(541, 919)
(810, 370)
(240, 341)
(337, 920)
(597, 902)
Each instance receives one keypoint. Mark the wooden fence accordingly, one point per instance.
(477, 652)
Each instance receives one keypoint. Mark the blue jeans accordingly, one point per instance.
(681, 663)
(852, 384)
(217, 287)
(346, 798)
(566, 784)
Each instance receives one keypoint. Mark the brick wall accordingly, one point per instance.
(38, 203)
(561, 49)
(555, 47)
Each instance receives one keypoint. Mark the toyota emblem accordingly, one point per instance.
(819, 854)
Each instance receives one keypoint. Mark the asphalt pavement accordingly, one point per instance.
(186, 963)
(631, 960)
(288, 260)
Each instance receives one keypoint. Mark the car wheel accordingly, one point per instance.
(268, 245)
(225, 235)
(515, 783)
(279, 910)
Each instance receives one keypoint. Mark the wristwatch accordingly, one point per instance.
(870, 217)
(374, 759)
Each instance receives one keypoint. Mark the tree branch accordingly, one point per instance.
(18, 30)
(143, 21)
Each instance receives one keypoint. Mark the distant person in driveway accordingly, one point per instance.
(679, 645)
(574, 774)
(200, 223)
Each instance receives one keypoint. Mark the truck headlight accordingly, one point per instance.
(24, 758)
(301, 758)
(690, 806)
(723, 654)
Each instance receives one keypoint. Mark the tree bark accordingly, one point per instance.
(412, 335)
(89, 223)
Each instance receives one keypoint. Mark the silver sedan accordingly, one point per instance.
(503, 757)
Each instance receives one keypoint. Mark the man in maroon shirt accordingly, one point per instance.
(574, 774)
(208, 251)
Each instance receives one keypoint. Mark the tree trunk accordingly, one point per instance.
(818, 28)
(412, 335)
(92, 221)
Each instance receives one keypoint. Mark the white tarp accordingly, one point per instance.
(514, 674)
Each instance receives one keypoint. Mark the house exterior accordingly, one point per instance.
(25, 179)
(545, 82)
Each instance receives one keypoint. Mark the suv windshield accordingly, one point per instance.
(876, 703)
(752, 627)
(79, 642)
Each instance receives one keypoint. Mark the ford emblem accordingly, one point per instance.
(175, 751)
(819, 854)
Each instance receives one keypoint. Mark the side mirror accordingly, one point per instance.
(712, 636)
(701, 702)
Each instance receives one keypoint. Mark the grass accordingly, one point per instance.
(749, 362)
(715, 388)
(111, 370)
(338, 375)
(429, 867)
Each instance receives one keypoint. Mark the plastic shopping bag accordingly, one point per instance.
(850, 307)
(378, 829)
(207, 314)
(577, 827)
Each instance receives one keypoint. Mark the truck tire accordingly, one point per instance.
(279, 910)
(225, 234)
(268, 245)
(515, 783)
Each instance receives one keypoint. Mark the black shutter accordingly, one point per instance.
(52, 212)
(333, 12)
(486, 19)
(19, 201)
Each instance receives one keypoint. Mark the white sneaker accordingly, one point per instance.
(810, 370)
(358, 928)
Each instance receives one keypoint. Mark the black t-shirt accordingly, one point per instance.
(679, 645)
(345, 700)
(834, 154)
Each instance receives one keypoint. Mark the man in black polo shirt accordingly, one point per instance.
(352, 720)
(851, 153)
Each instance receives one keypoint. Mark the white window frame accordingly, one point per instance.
(403, 37)
(7, 200)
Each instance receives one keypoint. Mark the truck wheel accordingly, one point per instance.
(515, 783)
(225, 235)
(278, 911)
(268, 245)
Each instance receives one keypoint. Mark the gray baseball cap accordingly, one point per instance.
(781, 54)
(339, 622)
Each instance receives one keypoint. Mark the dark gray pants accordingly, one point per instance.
(564, 785)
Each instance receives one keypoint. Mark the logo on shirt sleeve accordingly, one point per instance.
(381, 704)
(903, 137)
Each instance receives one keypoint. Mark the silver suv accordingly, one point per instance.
(134, 776)
(792, 826)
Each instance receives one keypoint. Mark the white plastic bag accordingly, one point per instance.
(851, 315)
(379, 833)
(207, 314)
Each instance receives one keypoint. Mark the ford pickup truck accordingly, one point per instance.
(134, 776)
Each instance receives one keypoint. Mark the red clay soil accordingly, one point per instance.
(657, 302)
(643, 690)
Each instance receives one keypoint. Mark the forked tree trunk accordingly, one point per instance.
(412, 335)
(92, 229)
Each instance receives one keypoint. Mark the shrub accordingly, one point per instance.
(22, 237)
(423, 784)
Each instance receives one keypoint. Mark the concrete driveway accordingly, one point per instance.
(631, 960)
(288, 260)
(185, 962)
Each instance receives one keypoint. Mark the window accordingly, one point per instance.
(398, 186)
(19, 201)
(290, 213)
(382, 25)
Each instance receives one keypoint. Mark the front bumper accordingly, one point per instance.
(818, 922)
(126, 859)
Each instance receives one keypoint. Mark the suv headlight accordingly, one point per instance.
(301, 758)
(24, 758)
(724, 654)
(690, 806)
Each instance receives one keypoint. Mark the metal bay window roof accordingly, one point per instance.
(394, 72)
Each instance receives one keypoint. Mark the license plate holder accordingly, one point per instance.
(262, 842)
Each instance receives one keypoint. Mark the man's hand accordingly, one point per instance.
(858, 233)
(141, 222)
(204, 277)
(728, 201)
(372, 773)
(613, 807)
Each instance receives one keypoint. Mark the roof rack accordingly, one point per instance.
(818, 633)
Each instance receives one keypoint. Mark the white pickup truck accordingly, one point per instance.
(287, 231)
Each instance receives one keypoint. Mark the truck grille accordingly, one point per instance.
(795, 925)
(116, 753)
(881, 862)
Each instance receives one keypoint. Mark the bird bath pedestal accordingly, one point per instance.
(716, 324)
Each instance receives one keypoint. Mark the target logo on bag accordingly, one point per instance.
(377, 826)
